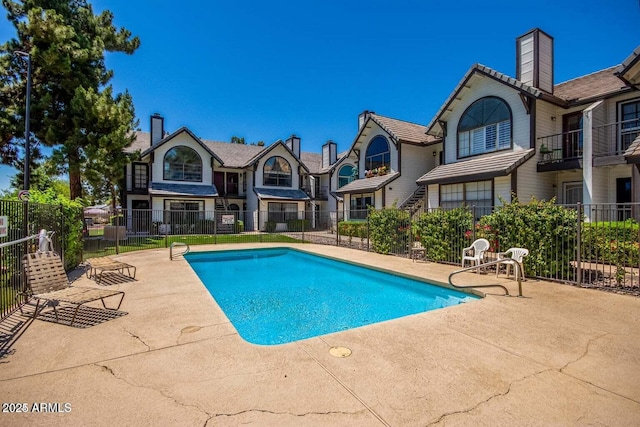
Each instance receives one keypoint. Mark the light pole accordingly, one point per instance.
(27, 130)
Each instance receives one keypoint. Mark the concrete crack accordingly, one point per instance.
(138, 338)
(488, 399)
(162, 393)
(586, 351)
(266, 411)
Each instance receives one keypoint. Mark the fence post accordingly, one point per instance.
(579, 246)
(473, 222)
(25, 224)
(117, 221)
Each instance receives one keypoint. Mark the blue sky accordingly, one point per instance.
(264, 70)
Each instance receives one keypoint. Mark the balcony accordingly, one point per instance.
(321, 193)
(565, 150)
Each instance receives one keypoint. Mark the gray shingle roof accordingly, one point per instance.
(476, 169)
(281, 194)
(163, 189)
(594, 85)
(234, 155)
(404, 131)
(368, 184)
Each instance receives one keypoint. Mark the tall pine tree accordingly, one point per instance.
(73, 108)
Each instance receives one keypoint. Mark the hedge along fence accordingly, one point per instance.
(548, 230)
(444, 233)
(614, 243)
(389, 230)
(351, 229)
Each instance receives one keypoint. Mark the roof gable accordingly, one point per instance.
(168, 138)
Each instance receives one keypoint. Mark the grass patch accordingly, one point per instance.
(97, 248)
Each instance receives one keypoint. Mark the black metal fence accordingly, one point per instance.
(19, 220)
(588, 245)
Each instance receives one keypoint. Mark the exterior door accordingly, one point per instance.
(572, 136)
(623, 198)
(218, 181)
(232, 184)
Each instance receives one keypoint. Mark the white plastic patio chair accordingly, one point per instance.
(517, 254)
(474, 254)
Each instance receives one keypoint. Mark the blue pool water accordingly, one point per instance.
(279, 295)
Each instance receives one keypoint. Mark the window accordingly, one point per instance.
(282, 212)
(476, 194)
(484, 127)
(140, 176)
(359, 204)
(182, 164)
(572, 193)
(277, 172)
(346, 175)
(629, 123)
(183, 214)
(377, 154)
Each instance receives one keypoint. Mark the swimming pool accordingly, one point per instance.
(279, 295)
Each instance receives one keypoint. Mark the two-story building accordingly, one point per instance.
(180, 175)
(529, 137)
(388, 156)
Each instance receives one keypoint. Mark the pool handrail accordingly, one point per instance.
(174, 244)
(474, 267)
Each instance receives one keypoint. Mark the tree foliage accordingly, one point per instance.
(73, 108)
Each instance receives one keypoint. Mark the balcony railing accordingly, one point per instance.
(611, 139)
(323, 192)
(561, 147)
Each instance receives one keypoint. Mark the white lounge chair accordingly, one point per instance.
(474, 254)
(516, 256)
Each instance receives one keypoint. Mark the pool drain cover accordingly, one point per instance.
(340, 352)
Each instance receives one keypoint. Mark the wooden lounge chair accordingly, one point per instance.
(97, 266)
(47, 282)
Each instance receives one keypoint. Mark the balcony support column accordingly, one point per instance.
(587, 156)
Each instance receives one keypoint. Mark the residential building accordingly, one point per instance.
(388, 155)
(530, 137)
(182, 178)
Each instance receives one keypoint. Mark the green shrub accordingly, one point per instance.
(444, 233)
(298, 225)
(239, 226)
(614, 243)
(352, 229)
(270, 226)
(389, 230)
(548, 230)
(69, 219)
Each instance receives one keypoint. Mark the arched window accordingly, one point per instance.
(484, 127)
(377, 154)
(346, 175)
(182, 164)
(277, 172)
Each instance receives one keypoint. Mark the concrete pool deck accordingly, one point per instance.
(559, 356)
